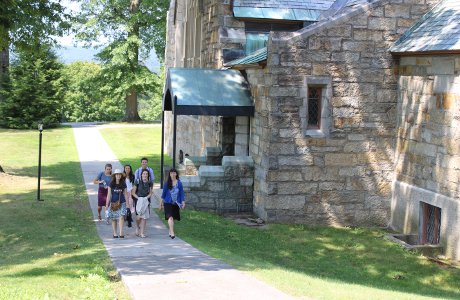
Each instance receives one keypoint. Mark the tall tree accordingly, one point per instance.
(33, 91)
(24, 24)
(132, 29)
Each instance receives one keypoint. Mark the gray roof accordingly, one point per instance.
(438, 30)
(207, 92)
(300, 10)
(253, 58)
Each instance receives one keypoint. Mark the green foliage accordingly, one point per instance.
(133, 29)
(32, 90)
(150, 105)
(27, 23)
(116, 20)
(85, 98)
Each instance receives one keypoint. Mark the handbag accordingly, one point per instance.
(117, 204)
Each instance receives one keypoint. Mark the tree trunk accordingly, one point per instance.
(131, 114)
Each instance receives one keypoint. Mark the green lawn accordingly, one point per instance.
(49, 249)
(305, 261)
(132, 143)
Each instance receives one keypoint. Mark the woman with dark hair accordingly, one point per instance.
(172, 199)
(142, 192)
(129, 179)
(116, 200)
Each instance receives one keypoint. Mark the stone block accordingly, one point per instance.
(358, 46)
(298, 160)
(367, 35)
(211, 171)
(246, 181)
(443, 66)
(388, 24)
(339, 159)
(293, 188)
(281, 175)
(190, 181)
(237, 161)
(397, 11)
(294, 202)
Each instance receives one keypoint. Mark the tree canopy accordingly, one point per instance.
(131, 28)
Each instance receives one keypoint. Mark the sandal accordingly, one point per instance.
(143, 236)
(121, 236)
(115, 236)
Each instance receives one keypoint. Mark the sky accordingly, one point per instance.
(72, 51)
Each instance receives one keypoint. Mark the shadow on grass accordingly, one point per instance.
(355, 256)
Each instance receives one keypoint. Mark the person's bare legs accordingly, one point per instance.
(142, 223)
(114, 227)
(171, 226)
(99, 209)
(121, 222)
(138, 224)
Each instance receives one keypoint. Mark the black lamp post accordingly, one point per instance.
(40, 128)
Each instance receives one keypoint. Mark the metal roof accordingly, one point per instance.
(297, 10)
(253, 58)
(193, 91)
(438, 30)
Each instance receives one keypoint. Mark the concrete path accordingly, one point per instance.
(157, 267)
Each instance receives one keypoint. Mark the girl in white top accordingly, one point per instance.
(129, 179)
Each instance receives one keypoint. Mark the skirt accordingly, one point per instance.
(172, 210)
(121, 212)
(102, 196)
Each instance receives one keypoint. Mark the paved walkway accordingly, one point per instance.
(157, 267)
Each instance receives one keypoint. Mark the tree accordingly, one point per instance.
(24, 24)
(85, 98)
(33, 90)
(133, 29)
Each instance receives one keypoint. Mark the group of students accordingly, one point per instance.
(125, 194)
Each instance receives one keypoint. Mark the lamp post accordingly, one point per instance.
(40, 128)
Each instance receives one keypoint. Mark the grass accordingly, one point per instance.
(306, 261)
(132, 143)
(49, 249)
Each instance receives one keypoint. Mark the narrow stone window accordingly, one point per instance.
(314, 108)
(315, 111)
(430, 222)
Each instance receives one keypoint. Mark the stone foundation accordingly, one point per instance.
(222, 189)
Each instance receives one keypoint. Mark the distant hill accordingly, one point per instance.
(70, 54)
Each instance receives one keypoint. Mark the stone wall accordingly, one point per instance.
(343, 177)
(194, 134)
(428, 145)
(222, 189)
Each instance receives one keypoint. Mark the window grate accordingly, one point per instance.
(431, 224)
(314, 107)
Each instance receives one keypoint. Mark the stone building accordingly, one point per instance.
(351, 126)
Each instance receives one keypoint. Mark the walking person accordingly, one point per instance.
(142, 192)
(116, 200)
(103, 179)
(172, 200)
(129, 179)
(144, 166)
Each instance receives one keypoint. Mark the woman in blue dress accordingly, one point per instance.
(172, 200)
(117, 192)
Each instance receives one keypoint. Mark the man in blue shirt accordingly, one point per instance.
(144, 166)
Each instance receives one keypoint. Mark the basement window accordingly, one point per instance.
(430, 224)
